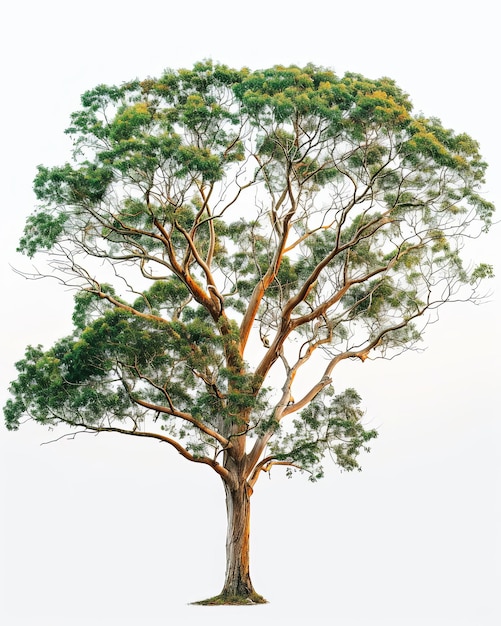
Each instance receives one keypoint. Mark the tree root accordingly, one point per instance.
(224, 599)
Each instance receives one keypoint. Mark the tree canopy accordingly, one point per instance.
(232, 236)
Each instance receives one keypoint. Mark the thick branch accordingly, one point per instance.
(271, 274)
(175, 444)
(226, 443)
(212, 304)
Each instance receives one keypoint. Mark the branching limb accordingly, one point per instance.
(151, 435)
(265, 466)
(171, 410)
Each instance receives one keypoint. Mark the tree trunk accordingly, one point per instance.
(237, 580)
(237, 587)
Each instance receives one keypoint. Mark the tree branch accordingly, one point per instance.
(172, 442)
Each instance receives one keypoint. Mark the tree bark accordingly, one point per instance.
(237, 579)
(237, 587)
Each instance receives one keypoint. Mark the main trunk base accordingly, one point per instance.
(222, 599)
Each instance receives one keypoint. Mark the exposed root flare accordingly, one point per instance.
(224, 599)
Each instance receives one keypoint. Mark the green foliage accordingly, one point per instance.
(66, 185)
(234, 220)
(328, 425)
(42, 231)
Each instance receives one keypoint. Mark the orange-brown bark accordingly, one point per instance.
(237, 579)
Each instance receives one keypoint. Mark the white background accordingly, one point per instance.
(105, 530)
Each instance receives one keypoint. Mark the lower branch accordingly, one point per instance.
(265, 466)
(175, 444)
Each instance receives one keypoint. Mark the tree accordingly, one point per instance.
(232, 237)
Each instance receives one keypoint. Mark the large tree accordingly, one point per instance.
(232, 236)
